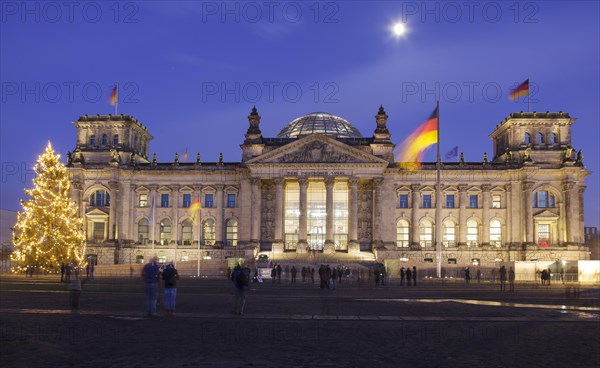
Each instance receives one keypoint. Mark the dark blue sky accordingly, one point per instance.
(191, 71)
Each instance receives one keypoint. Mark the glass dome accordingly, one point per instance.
(319, 122)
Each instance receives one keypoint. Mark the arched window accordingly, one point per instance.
(104, 139)
(115, 139)
(449, 234)
(543, 199)
(100, 198)
(92, 140)
(143, 230)
(527, 139)
(209, 233)
(186, 232)
(472, 233)
(540, 138)
(425, 233)
(232, 232)
(402, 233)
(495, 233)
(553, 138)
(165, 232)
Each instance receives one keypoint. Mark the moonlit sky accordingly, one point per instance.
(178, 65)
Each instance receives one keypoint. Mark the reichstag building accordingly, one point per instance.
(323, 190)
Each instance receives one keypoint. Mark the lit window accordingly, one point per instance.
(450, 201)
(104, 139)
(208, 200)
(231, 200)
(473, 201)
(543, 233)
(426, 233)
(115, 139)
(472, 233)
(291, 214)
(143, 202)
(232, 232)
(495, 233)
(449, 234)
(100, 198)
(403, 201)
(164, 200)
(143, 230)
(527, 139)
(496, 201)
(402, 233)
(165, 232)
(209, 233)
(543, 199)
(187, 200)
(186, 232)
(426, 200)
(340, 215)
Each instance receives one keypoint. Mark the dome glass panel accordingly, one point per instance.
(322, 123)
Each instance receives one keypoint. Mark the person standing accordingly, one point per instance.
(287, 273)
(75, 292)
(467, 275)
(408, 276)
(279, 274)
(312, 275)
(150, 274)
(303, 272)
(478, 275)
(170, 277)
(414, 275)
(548, 276)
(334, 276)
(241, 282)
(293, 271)
(402, 276)
(511, 279)
(62, 272)
(273, 274)
(502, 278)
(67, 272)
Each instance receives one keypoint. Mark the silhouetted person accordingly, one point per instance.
(150, 274)
(511, 279)
(502, 278)
(273, 274)
(62, 272)
(478, 275)
(467, 275)
(293, 271)
(414, 275)
(278, 273)
(408, 276)
(402, 276)
(170, 277)
(312, 275)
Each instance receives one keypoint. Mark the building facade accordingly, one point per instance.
(321, 188)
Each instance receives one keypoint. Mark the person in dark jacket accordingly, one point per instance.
(293, 272)
(241, 284)
(170, 277)
(402, 276)
(150, 274)
(408, 276)
(414, 275)
(273, 274)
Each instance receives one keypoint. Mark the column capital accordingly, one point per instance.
(77, 185)
(353, 180)
(568, 185)
(329, 181)
(303, 181)
(278, 180)
(198, 188)
(527, 186)
(219, 187)
(175, 187)
(486, 187)
(153, 187)
(378, 181)
(113, 185)
(581, 189)
(462, 187)
(415, 187)
(255, 180)
(508, 187)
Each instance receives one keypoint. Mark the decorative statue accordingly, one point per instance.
(527, 155)
(221, 158)
(176, 160)
(580, 157)
(70, 158)
(485, 158)
(132, 158)
(509, 156)
(462, 158)
(569, 154)
(154, 159)
(115, 156)
(198, 158)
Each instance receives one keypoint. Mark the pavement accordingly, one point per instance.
(300, 325)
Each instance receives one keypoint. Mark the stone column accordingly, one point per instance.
(256, 210)
(220, 210)
(507, 236)
(462, 214)
(124, 213)
(517, 232)
(486, 214)
(579, 218)
(414, 234)
(112, 217)
(377, 203)
(153, 220)
(175, 213)
(527, 189)
(302, 243)
(329, 243)
(197, 216)
(278, 210)
(353, 245)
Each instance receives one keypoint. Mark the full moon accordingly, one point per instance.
(399, 29)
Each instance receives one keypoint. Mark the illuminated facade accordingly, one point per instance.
(321, 188)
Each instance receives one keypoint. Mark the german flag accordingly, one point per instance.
(411, 150)
(520, 91)
(113, 96)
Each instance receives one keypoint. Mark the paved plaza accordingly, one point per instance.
(299, 325)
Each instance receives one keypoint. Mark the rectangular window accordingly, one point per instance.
(542, 199)
(426, 200)
(473, 201)
(543, 233)
(291, 213)
(449, 200)
(143, 200)
(403, 200)
(496, 201)
(164, 200)
(231, 200)
(187, 200)
(208, 200)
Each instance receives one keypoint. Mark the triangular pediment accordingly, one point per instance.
(546, 214)
(498, 189)
(96, 212)
(450, 188)
(317, 148)
(186, 189)
(427, 188)
(142, 189)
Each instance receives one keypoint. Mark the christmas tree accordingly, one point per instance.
(48, 231)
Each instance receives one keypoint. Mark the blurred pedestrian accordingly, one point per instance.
(478, 275)
(293, 272)
(279, 274)
(62, 272)
(312, 275)
(67, 272)
(150, 274)
(511, 279)
(408, 276)
(334, 277)
(402, 276)
(241, 282)
(414, 275)
(75, 291)
(467, 275)
(303, 273)
(502, 278)
(273, 274)
(170, 277)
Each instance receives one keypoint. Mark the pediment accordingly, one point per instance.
(427, 188)
(546, 214)
(474, 189)
(96, 212)
(186, 189)
(317, 148)
(402, 189)
(450, 188)
(498, 189)
(164, 189)
(208, 189)
(142, 189)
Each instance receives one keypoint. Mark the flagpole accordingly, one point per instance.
(117, 99)
(438, 204)
(198, 226)
(153, 219)
(528, 95)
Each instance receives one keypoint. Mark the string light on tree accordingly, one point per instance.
(48, 231)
